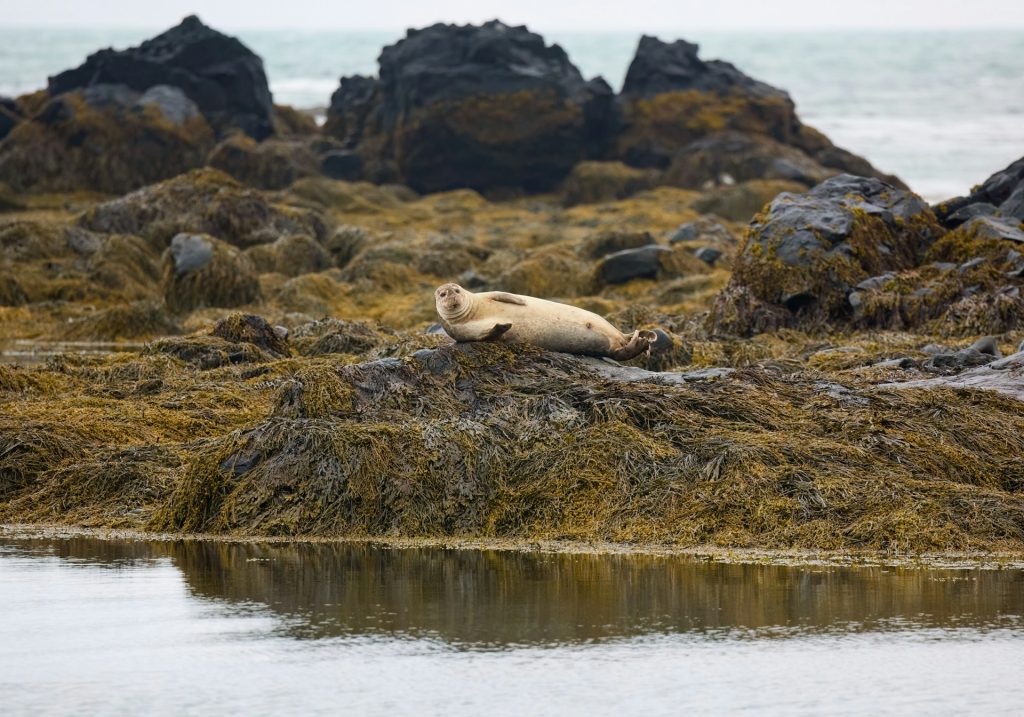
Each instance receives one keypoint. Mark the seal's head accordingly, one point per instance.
(452, 301)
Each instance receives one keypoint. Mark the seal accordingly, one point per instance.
(515, 319)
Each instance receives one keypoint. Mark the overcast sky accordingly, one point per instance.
(586, 15)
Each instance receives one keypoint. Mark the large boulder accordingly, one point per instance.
(672, 98)
(223, 77)
(807, 252)
(470, 106)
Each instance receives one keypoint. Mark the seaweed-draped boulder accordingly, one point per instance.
(805, 254)
(674, 104)
(1000, 196)
(470, 106)
(223, 77)
(202, 201)
(105, 138)
(127, 118)
(200, 270)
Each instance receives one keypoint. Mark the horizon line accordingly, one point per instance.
(542, 28)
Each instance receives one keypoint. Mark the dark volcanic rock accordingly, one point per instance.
(986, 227)
(1004, 189)
(672, 99)
(223, 77)
(467, 106)
(661, 67)
(981, 209)
(10, 115)
(807, 251)
(642, 263)
(734, 156)
(342, 164)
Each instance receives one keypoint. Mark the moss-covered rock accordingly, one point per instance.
(807, 252)
(270, 164)
(200, 270)
(101, 142)
(590, 182)
(739, 203)
(202, 201)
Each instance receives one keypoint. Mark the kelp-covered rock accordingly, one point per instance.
(469, 106)
(672, 99)
(740, 202)
(137, 320)
(728, 157)
(592, 182)
(50, 261)
(291, 255)
(431, 445)
(253, 329)
(1003, 192)
(652, 261)
(105, 138)
(807, 252)
(271, 164)
(200, 270)
(969, 283)
(223, 77)
(202, 201)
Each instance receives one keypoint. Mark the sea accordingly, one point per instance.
(941, 109)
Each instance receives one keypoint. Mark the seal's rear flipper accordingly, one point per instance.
(639, 342)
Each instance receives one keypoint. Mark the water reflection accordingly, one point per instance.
(470, 598)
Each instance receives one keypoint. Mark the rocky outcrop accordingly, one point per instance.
(709, 119)
(466, 106)
(10, 115)
(127, 118)
(493, 106)
(806, 253)
(1000, 196)
(223, 77)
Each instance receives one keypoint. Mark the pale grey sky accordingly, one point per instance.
(584, 15)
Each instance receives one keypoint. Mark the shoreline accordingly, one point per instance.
(946, 560)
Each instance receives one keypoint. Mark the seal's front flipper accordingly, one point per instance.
(477, 331)
(496, 332)
(507, 298)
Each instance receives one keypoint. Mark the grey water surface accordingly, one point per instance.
(90, 626)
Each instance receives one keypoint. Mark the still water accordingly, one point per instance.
(91, 626)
